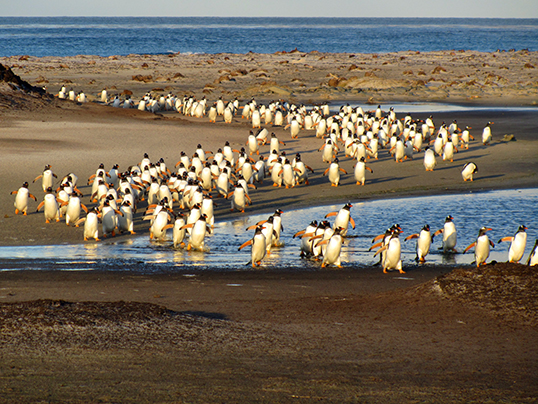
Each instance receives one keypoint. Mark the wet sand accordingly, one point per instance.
(273, 335)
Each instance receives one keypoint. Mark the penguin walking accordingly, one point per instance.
(258, 250)
(50, 207)
(240, 198)
(393, 251)
(343, 218)
(74, 207)
(517, 244)
(306, 243)
(109, 220)
(486, 134)
(178, 232)
(199, 230)
(46, 178)
(481, 246)
(91, 224)
(468, 170)
(125, 221)
(449, 235)
(424, 240)
(333, 250)
(334, 173)
(21, 200)
(360, 171)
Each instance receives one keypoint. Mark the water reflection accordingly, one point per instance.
(503, 211)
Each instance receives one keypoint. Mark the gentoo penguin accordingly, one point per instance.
(46, 178)
(306, 243)
(212, 114)
(343, 218)
(74, 207)
(256, 119)
(517, 246)
(240, 198)
(294, 128)
(91, 224)
(157, 231)
(334, 173)
(274, 144)
(288, 174)
(259, 170)
(399, 151)
(486, 134)
(393, 250)
(333, 250)
(51, 208)
(125, 221)
(178, 234)
(276, 173)
(258, 243)
(252, 144)
(277, 226)
(423, 243)
(481, 246)
(468, 170)
(429, 159)
(448, 151)
(449, 235)
(360, 171)
(199, 229)
(302, 174)
(465, 136)
(533, 256)
(21, 200)
(109, 220)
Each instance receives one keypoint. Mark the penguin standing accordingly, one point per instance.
(449, 235)
(423, 243)
(21, 200)
(481, 246)
(258, 243)
(429, 159)
(517, 246)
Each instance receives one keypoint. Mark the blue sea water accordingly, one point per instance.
(105, 36)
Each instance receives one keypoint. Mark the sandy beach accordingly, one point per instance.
(444, 335)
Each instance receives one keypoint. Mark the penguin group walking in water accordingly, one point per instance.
(184, 199)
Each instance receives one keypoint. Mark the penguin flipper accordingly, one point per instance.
(469, 247)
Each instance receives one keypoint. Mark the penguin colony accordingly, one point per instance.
(182, 199)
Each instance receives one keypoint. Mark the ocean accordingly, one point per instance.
(106, 36)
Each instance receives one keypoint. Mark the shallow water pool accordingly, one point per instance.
(503, 211)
